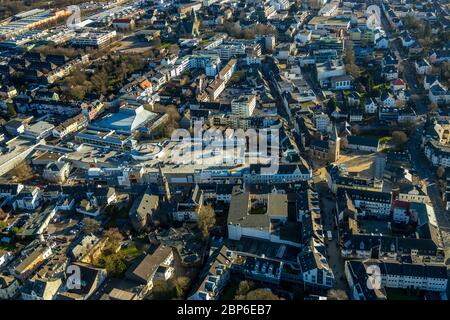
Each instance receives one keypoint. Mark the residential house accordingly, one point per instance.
(382, 43)
(188, 205)
(82, 288)
(69, 126)
(29, 198)
(387, 99)
(5, 257)
(407, 40)
(10, 190)
(422, 66)
(148, 268)
(9, 287)
(429, 81)
(143, 210)
(40, 289)
(315, 269)
(398, 84)
(370, 105)
(56, 172)
(369, 203)
(216, 275)
(82, 247)
(389, 72)
(24, 266)
(344, 82)
(439, 94)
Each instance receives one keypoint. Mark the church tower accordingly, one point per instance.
(190, 26)
(334, 145)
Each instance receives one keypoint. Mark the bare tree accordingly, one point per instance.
(440, 172)
(336, 294)
(114, 238)
(206, 220)
(399, 138)
(433, 107)
(90, 225)
(260, 294)
(22, 171)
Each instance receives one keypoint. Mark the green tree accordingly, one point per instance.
(237, 77)
(115, 265)
(331, 104)
(11, 111)
(349, 59)
(163, 290)
(181, 285)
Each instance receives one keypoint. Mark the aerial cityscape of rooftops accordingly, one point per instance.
(225, 150)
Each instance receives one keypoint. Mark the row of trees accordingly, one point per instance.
(422, 31)
(57, 50)
(350, 61)
(235, 30)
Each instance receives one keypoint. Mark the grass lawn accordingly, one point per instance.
(381, 86)
(385, 139)
(131, 252)
(165, 45)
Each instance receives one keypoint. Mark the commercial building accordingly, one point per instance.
(94, 39)
(39, 130)
(29, 20)
(106, 139)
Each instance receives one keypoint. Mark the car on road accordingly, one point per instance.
(329, 235)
